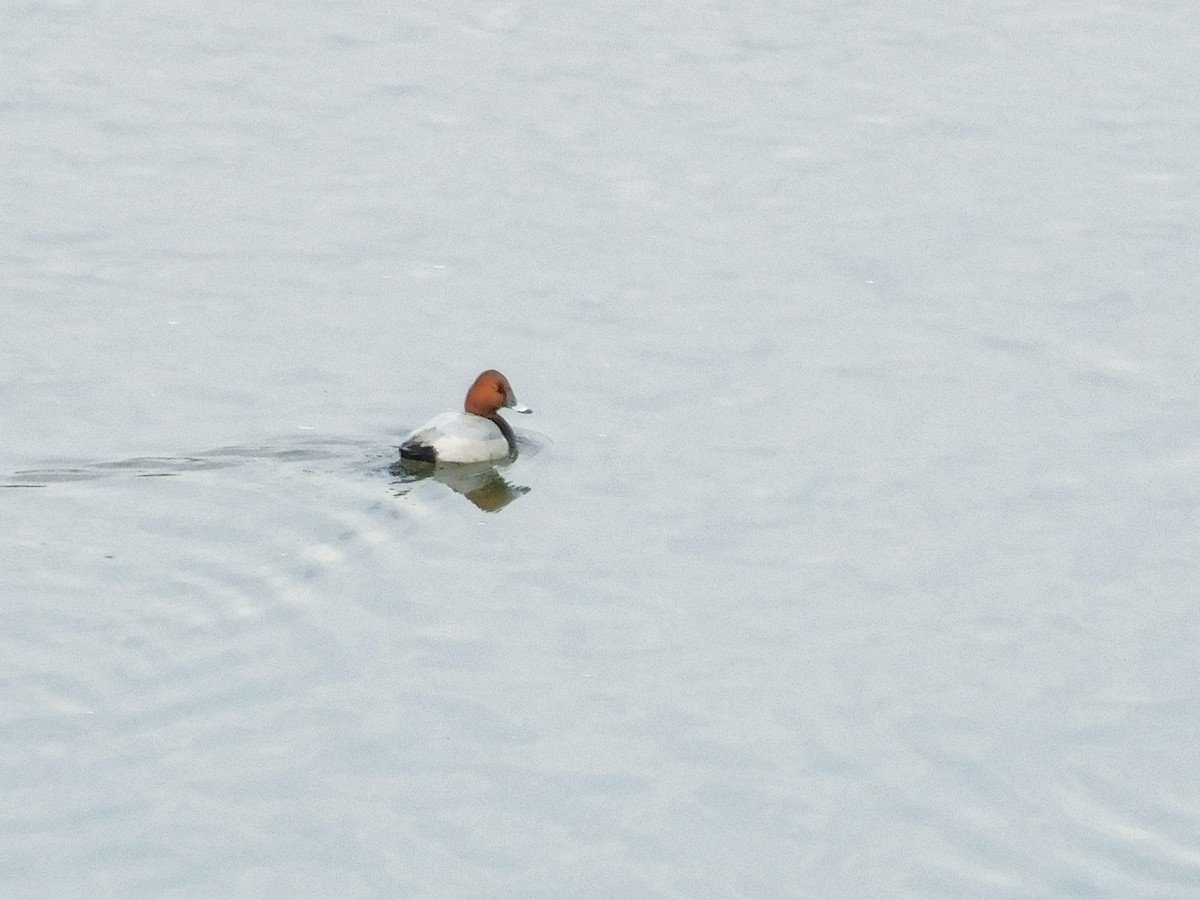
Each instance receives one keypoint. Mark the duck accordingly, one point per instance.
(477, 434)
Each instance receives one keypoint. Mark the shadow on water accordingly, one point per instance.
(171, 466)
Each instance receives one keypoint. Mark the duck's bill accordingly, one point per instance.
(521, 408)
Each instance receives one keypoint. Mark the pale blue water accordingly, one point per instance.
(853, 547)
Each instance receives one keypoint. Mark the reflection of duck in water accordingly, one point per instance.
(481, 484)
(458, 448)
(478, 434)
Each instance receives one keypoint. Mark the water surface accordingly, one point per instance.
(852, 547)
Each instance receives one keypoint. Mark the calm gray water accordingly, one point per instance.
(853, 550)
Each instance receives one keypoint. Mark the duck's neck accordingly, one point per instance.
(506, 430)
